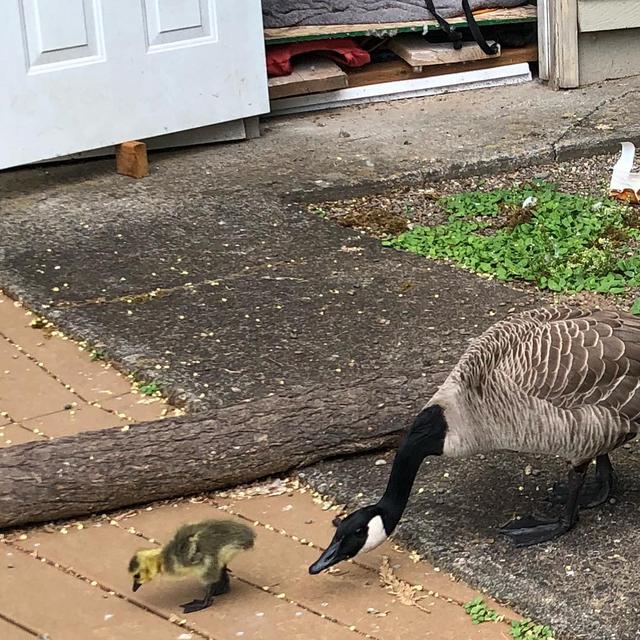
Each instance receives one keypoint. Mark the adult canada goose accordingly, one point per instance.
(561, 381)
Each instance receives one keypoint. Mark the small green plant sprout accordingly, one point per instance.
(97, 354)
(635, 308)
(319, 211)
(528, 630)
(479, 611)
(149, 389)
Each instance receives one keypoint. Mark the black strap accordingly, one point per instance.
(489, 49)
(456, 36)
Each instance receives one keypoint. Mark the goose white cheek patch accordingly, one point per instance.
(376, 536)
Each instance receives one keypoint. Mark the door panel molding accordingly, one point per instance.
(55, 40)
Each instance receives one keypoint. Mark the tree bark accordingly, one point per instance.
(96, 471)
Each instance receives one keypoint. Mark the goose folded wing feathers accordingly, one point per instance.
(578, 359)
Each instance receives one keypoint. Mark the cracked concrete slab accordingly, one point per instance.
(312, 303)
(614, 119)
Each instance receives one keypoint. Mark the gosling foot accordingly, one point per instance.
(214, 589)
(196, 605)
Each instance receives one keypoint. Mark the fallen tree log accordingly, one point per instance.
(97, 471)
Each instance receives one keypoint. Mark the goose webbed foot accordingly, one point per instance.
(596, 491)
(531, 530)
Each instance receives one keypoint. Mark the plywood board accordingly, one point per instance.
(400, 70)
(418, 52)
(312, 75)
(608, 15)
(318, 32)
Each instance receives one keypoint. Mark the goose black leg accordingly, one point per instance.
(531, 530)
(596, 491)
(218, 588)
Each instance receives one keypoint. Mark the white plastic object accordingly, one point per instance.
(625, 184)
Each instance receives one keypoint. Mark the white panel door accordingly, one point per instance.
(84, 74)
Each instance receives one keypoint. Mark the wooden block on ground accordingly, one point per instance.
(131, 159)
(311, 75)
(418, 52)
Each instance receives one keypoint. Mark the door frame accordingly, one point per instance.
(558, 43)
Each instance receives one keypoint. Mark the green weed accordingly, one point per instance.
(479, 612)
(528, 630)
(557, 241)
(149, 389)
(520, 629)
(98, 354)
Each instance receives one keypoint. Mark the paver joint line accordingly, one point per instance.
(20, 625)
(54, 377)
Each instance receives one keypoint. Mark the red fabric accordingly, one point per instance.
(341, 50)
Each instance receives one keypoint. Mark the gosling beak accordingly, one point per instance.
(330, 557)
(136, 585)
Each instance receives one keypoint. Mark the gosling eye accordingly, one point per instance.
(136, 576)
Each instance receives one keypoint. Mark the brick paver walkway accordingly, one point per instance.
(69, 581)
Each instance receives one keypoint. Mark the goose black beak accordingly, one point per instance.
(136, 585)
(330, 557)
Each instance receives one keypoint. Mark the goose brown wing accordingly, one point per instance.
(582, 358)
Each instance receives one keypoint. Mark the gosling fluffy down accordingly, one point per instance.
(202, 550)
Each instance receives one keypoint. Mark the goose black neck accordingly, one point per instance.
(425, 438)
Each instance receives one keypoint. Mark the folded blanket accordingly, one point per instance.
(291, 13)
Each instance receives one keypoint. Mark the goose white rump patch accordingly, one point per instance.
(376, 536)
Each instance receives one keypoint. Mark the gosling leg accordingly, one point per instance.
(531, 530)
(595, 492)
(213, 589)
(223, 585)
